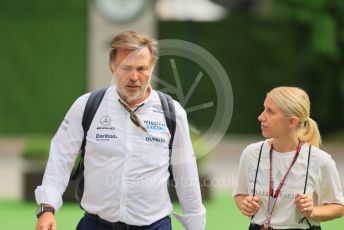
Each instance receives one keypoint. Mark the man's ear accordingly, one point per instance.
(111, 67)
(293, 122)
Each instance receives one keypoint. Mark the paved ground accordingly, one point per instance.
(221, 165)
(11, 166)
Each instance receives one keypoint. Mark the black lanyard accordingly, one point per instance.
(274, 196)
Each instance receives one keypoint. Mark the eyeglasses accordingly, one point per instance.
(133, 117)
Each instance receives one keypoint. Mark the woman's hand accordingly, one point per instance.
(248, 205)
(323, 212)
(305, 204)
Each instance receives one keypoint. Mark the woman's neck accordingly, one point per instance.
(284, 145)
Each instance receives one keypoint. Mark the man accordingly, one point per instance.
(126, 161)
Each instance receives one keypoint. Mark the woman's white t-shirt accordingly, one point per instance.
(323, 182)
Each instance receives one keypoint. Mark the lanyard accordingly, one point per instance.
(273, 196)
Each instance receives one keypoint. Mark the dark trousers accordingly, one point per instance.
(93, 222)
(258, 227)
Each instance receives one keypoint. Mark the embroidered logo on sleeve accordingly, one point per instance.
(157, 109)
(64, 125)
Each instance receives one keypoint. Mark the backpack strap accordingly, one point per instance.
(170, 117)
(305, 187)
(91, 108)
(255, 178)
(309, 157)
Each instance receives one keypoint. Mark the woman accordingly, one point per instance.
(286, 181)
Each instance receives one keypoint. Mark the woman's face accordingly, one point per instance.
(273, 122)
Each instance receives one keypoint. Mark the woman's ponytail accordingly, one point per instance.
(309, 132)
(294, 102)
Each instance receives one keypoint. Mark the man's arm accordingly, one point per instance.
(189, 195)
(64, 149)
(185, 175)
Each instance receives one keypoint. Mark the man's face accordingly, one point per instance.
(132, 74)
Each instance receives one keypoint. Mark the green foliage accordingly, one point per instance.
(37, 147)
(42, 62)
(296, 43)
(322, 20)
(321, 26)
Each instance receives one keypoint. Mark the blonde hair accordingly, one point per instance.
(130, 40)
(294, 101)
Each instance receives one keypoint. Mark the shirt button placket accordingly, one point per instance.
(124, 187)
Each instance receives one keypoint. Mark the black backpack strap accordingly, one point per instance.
(255, 178)
(170, 117)
(306, 180)
(309, 157)
(91, 108)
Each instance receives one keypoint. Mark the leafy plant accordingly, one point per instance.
(37, 147)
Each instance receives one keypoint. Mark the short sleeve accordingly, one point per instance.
(242, 183)
(330, 187)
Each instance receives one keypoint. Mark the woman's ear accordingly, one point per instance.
(293, 122)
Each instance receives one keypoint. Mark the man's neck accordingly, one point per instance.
(139, 100)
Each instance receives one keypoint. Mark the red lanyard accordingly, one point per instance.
(273, 197)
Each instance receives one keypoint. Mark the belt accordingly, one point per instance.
(259, 227)
(114, 225)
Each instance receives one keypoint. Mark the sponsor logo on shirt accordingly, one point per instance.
(105, 137)
(107, 128)
(155, 126)
(158, 109)
(282, 195)
(105, 121)
(155, 139)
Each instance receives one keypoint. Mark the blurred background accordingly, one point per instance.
(51, 52)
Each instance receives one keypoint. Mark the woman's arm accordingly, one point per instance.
(319, 213)
(327, 212)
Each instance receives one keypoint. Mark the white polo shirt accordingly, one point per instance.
(126, 169)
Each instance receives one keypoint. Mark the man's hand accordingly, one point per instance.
(46, 222)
